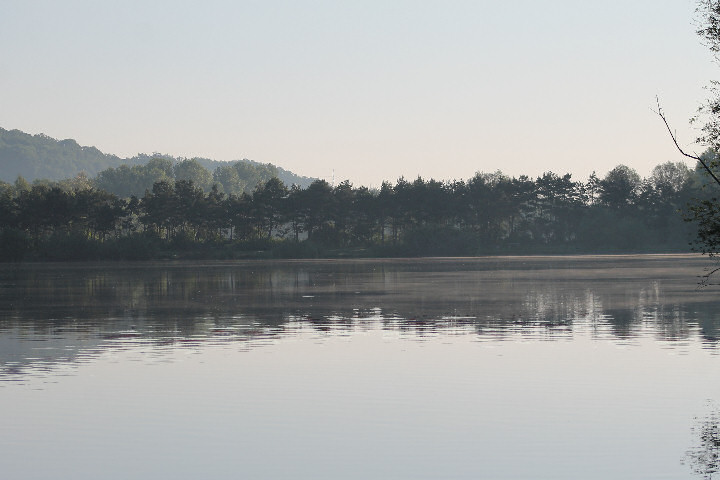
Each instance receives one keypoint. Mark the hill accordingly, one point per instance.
(36, 157)
(42, 157)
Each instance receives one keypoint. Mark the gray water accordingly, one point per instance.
(490, 368)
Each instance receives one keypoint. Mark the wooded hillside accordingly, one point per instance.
(40, 157)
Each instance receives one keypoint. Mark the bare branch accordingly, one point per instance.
(705, 279)
(660, 113)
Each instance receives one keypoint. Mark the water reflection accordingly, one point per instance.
(61, 313)
(704, 457)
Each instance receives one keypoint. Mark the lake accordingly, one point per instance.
(592, 367)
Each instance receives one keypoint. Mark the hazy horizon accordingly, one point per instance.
(369, 91)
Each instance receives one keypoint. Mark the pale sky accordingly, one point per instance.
(371, 90)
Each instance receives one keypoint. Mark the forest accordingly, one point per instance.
(43, 158)
(190, 213)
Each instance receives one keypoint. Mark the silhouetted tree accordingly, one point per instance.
(317, 204)
(268, 201)
(159, 207)
(620, 187)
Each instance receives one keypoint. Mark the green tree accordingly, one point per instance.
(126, 181)
(229, 178)
(8, 210)
(21, 184)
(215, 215)
(254, 174)
(188, 208)
(192, 171)
(99, 211)
(239, 211)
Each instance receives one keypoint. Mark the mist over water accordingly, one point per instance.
(499, 367)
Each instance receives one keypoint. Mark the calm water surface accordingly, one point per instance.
(490, 368)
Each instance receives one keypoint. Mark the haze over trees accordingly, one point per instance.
(40, 157)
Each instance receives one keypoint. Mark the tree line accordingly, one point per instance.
(489, 213)
(229, 177)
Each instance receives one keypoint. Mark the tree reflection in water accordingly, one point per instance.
(55, 313)
(704, 458)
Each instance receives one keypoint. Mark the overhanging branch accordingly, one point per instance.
(660, 113)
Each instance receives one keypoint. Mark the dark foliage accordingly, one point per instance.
(487, 214)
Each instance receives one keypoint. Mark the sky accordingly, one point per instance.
(361, 90)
